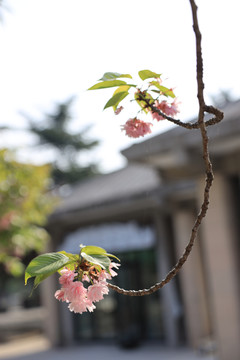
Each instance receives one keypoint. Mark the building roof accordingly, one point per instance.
(132, 181)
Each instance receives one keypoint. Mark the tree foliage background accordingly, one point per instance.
(24, 205)
(53, 132)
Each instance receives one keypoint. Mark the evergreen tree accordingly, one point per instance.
(53, 131)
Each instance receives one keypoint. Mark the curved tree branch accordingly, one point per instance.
(201, 125)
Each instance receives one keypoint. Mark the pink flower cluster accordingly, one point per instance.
(79, 297)
(168, 109)
(135, 128)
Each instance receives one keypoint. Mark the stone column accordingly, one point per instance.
(221, 263)
(192, 284)
(47, 291)
(51, 322)
(169, 296)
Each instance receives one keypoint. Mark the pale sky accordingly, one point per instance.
(53, 49)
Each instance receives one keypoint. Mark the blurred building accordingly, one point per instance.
(144, 213)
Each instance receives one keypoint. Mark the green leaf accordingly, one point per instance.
(97, 259)
(116, 99)
(115, 257)
(39, 278)
(122, 88)
(111, 75)
(74, 257)
(107, 84)
(46, 264)
(96, 250)
(146, 74)
(93, 250)
(164, 90)
(70, 265)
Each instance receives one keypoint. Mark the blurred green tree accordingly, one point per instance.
(54, 133)
(25, 203)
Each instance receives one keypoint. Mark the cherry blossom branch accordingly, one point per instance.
(190, 126)
(200, 124)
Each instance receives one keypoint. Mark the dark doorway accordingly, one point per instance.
(128, 320)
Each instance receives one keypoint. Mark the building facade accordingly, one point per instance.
(145, 213)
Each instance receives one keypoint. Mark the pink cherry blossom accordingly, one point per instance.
(135, 128)
(90, 305)
(97, 290)
(104, 275)
(60, 295)
(156, 116)
(77, 307)
(168, 109)
(113, 265)
(80, 306)
(75, 290)
(79, 297)
(85, 278)
(66, 277)
(174, 107)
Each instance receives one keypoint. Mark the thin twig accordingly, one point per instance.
(207, 162)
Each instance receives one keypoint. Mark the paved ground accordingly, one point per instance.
(37, 348)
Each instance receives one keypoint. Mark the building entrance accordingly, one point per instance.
(129, 320)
